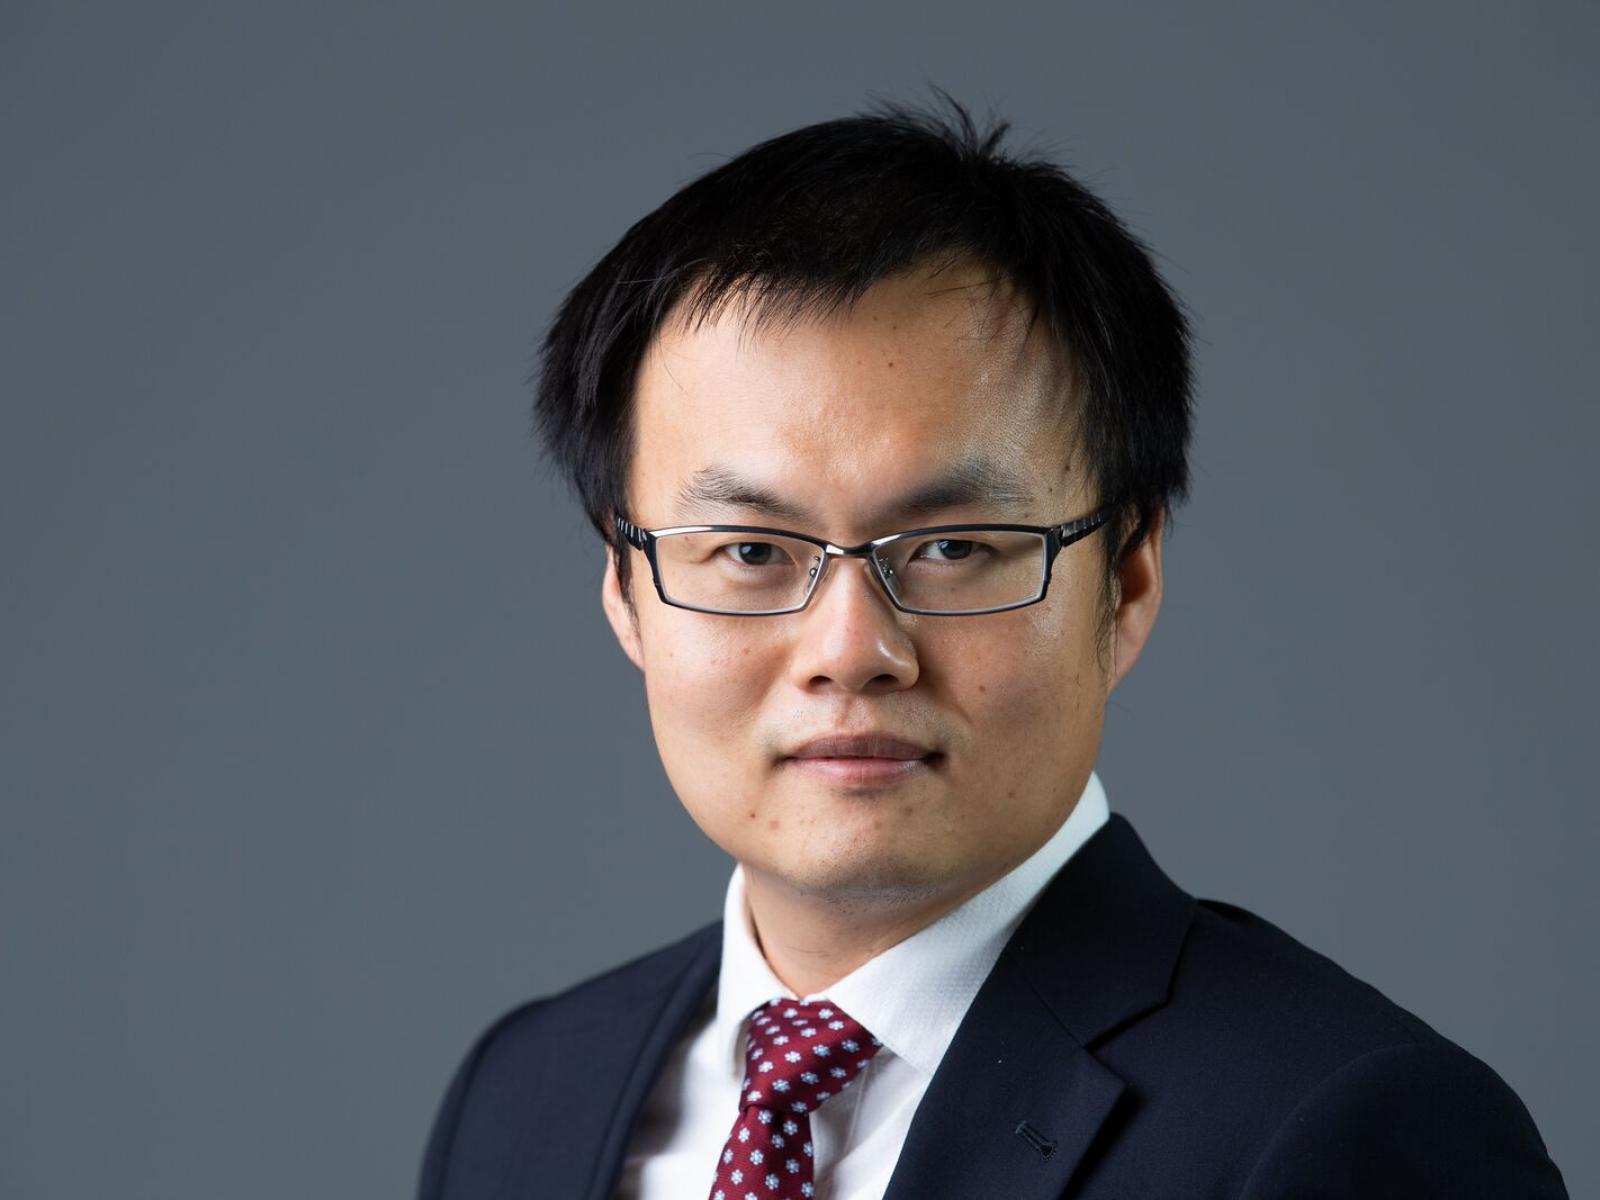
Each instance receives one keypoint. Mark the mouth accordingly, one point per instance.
(869, 760)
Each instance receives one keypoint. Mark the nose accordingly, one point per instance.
(851, 637)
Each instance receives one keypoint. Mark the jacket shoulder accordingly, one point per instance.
(1291, 990)
(1301, 1067)
(1332, 1061)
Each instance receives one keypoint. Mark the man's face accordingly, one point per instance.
(837, 419)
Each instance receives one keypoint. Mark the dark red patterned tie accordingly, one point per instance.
(798, 1055)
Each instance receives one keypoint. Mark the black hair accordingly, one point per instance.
(804, 223)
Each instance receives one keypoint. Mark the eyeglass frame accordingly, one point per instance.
(1057, 538)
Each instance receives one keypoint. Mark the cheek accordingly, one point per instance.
(1029, 690)
(704, 682)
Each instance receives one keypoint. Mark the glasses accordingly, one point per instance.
(942, 570)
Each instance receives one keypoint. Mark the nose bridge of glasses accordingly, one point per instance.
(876, 565)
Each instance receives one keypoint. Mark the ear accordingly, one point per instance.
(1138, 601)
(624, 622)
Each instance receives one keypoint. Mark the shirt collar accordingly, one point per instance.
(913, 996)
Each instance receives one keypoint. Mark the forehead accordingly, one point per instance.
(929, 372)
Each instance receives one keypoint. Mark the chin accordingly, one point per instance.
(862, 880)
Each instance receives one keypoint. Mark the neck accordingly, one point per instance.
(812, 943)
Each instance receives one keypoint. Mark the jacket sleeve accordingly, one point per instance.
(1410, 1121)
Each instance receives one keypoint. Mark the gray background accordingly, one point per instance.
(317, 752)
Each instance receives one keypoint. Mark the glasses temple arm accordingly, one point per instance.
(1073, 530)
(630, 532)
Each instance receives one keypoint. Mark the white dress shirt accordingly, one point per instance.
(911, 997)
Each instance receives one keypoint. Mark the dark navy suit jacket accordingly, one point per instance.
(1131, 1042)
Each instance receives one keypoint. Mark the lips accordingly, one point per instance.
(862, 762)
(866, 746)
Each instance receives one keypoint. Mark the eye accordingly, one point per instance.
(947, 549)
(755, 554)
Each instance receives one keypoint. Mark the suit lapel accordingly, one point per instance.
(623, 1080)
(1011, 1110)
(1020, 1097)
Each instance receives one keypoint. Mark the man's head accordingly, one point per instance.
(838, 320)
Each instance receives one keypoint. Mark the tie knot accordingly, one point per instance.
(800, 1054)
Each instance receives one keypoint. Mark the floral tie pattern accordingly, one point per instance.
(798, 1055)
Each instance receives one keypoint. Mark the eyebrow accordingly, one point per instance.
(970, 481)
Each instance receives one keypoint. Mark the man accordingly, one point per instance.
(882, 428)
